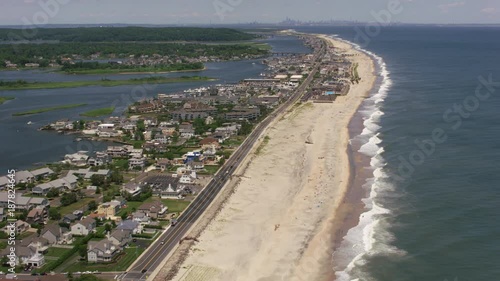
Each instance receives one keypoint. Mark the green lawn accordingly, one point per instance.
(56, 252)
(121, 264)
(4, 99)
(212, 169)
(132, 205)
(99, 112)
(42, 110)
(75, 206)
(175, 206)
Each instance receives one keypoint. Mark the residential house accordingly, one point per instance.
(130, 225)
(22, 226)
(22, 202)
(83, 227)
(141, 217)
(132, 188)
(56, 234)
(37, 215)
(42, 173)
(78, 159)
(186, 130)
(25, 255)
(243, 113)
(163, 164)
(154, 209)
(24, 177)
(209, 143)
(134, 163)
(120, 237)
(69, 182)
(109, 209)
(102, 251)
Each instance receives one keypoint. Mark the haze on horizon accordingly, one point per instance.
(19, 12)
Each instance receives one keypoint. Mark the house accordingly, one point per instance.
(56, 234)
(24, 177)
(141, 217)
(195, 165)
(120, 237)
(109, 209)
(42, 173)
(132, 188)
(163, 164)
(42, 189)
(88, 173)
(78, 159)
(25, 255)
(39, 243)
(67, 183)
(22, 226)
(130, 225)
(69, 218)
(186, 130)
(22, 202)
(4, 182)
(117, 151)
(243, 113)
(162, 138)
(186, 179)
(209, 143)
(134, 163)
(37, 215)
(102, 251)
(84, 226)
(154, 209)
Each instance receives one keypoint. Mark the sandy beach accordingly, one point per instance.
(289, 202)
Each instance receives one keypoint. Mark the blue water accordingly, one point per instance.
(22, 146)
(432, 212)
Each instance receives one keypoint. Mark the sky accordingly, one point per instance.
(39, 12)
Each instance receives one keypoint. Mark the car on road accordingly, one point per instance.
(173, 222)
(144, 270)
(163, 242)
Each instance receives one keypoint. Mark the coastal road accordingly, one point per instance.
(159, 250)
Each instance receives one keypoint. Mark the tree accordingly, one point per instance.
(98, 180)
(68, 199)
(53, 192)
(107, 227)
(92, 205)
(82, 250)
(54, 214)
(116, 177)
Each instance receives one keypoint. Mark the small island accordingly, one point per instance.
(99, 112)
(47, 109)
(24, 85)
(4, 99)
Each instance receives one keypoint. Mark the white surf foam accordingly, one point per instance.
(369, 237)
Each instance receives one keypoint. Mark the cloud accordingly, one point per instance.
(445, 8)
(489, 11)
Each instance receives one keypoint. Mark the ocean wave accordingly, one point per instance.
(370, 236)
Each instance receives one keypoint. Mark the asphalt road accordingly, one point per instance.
(157, 252)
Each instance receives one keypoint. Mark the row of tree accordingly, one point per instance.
(44, 53)
(121, 34)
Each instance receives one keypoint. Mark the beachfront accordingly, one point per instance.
(278, 223)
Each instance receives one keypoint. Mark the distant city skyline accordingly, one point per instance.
(38, 12)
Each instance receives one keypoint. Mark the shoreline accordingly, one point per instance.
(295, 206)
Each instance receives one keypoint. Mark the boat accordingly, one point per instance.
(78, 139)
(29, 123)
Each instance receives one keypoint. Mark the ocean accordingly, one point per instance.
(431, 130)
